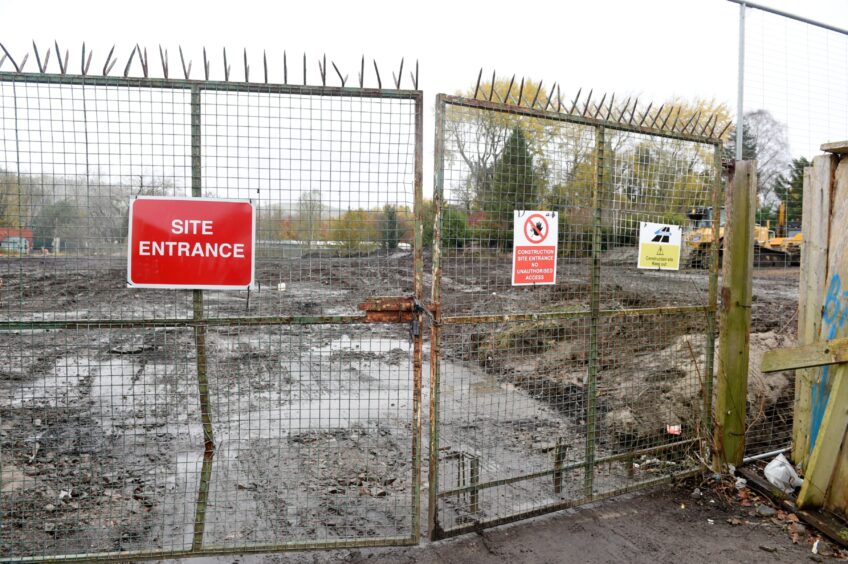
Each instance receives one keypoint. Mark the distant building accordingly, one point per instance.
(15, 240)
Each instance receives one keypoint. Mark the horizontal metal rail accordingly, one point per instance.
(86, 324)
(213, 551)
(471, 319)
(566, 504)
(579, 119)
(566, 468)
(801, 19)
(217, 86)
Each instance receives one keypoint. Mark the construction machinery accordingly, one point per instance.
(781, 248)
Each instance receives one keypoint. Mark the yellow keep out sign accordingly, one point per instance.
(659, 246)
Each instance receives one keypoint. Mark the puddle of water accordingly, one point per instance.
(377, 345)
(60, 388)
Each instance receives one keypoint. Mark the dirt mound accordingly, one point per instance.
(664, 388)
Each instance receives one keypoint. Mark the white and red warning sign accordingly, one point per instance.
(191, 243)
(534, 247)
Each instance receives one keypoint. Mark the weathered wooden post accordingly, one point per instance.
(815, 222)
(735, 324)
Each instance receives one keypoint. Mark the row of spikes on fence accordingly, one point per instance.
(141, 53)
(665, 118)
(607, 110)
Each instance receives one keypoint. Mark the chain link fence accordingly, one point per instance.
(548, 396)
(154, 423)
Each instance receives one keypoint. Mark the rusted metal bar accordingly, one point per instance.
(418, 315)
(389, 310)
(434, 526)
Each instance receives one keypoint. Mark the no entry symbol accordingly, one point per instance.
(536, 228)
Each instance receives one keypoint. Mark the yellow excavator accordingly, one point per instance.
(780, 248)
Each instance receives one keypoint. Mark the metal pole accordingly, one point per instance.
(715, 266)
(418, 347)
(740, 108)
(433, 525)
(801, 19)
(200, 344)
(599, 185)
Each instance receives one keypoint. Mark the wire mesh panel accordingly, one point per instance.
(547, 396)
(795, 82)
(147, 422)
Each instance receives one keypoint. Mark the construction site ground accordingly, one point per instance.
(113, 413)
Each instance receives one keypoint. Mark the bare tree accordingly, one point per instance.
(764, 139)
(309, 211)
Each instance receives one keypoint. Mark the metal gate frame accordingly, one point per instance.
(588, 116)
(405, 310)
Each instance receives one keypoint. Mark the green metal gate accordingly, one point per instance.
(547, 397)
(156, 423)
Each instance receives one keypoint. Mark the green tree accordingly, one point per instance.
(10, 201)
(478, 138)
(390, 229)
(791, 191)
(454, 227)
(355, 230)
(515, 186)
(63, 221)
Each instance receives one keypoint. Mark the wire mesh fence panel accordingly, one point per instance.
(795, 84)
(157, 422)
(597, 382)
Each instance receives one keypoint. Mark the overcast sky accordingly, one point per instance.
(653, 48)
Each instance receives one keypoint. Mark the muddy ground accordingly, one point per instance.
(103, 440)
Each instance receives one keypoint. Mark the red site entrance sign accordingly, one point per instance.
(191, 243)
(534, 247)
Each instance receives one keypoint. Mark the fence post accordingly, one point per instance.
(435, 326)
(418, 343)
(595, 307)
(474, 481)
(735, 324)
(712, 298)
(559, 459)
(200, 344)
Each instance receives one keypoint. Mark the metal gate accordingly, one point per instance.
(551, 396)
(154, 423)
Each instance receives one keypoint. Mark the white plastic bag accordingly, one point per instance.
(780, 473)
